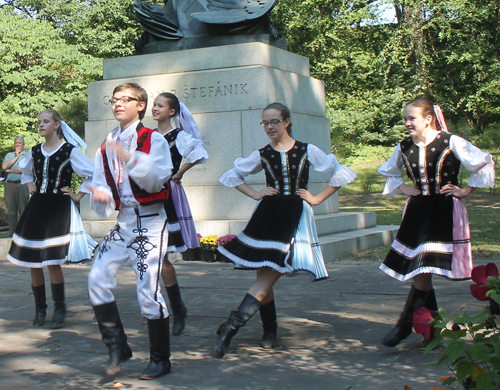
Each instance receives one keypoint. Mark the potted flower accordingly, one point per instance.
(470, 343)
(223, 240)
(209, 244)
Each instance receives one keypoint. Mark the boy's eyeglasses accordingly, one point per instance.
(123, 100)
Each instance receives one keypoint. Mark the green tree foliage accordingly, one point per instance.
(450, 49)
(446, 49)
(101, 28)
(38, 69)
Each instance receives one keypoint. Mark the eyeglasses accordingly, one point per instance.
(123, 100)
(273, 123)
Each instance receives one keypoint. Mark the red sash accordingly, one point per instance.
(143, 197)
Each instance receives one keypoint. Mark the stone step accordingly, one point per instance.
(334, 246)
(339, 245)
(325, 224)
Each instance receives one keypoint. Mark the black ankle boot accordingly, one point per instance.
(59, 304)
(178, 308)
(113, 335)
(269, 324)
(238, 318)
(159, 349)
(416, 298)
(40, 305)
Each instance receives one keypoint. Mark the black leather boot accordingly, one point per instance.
(180, 312)
(416, 298)
(40, 305)
(159, 349)
(113, 335)
(269, 324)
(238, 318)
(59, 304)
(430, 300)
(431, 304)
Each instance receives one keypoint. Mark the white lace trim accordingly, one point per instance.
(435, 247)
(263, 244)
(411, 275)
(250, 264)
(197, 153)
(176, 249)
(231, 178)
(483, 178)
(391, 186)
(35, 264)
(341, 176)
(41, 244)
(173, 227)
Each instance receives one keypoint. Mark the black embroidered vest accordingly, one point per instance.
(174, 152)
(433, 166)
(286, 171)
(52, 172)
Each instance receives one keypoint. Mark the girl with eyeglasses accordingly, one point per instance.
(280, 237)
(43, 236)
(434, 236)
(186, 143)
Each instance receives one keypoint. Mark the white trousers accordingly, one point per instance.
(140, 236)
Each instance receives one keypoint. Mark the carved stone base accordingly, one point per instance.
(208, 41)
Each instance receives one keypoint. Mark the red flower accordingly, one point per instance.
(480, 277)
(421, 322)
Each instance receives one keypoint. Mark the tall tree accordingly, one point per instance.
(38, 69)
(101, 28)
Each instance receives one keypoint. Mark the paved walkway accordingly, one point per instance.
(329, 333)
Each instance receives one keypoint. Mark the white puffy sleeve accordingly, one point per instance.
(26, 167)
(104, 209)
(328, 164)
(83, 167)
(392, 170)
(151, 170)
(474, 160)
(191, 148)
(242, 168)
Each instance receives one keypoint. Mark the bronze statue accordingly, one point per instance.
(181, 19)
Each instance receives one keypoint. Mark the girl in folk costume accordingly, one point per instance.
(185, 141)
(281, 234)
(434, 236)
(43, 235)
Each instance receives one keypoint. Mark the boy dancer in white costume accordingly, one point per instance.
(130, 170)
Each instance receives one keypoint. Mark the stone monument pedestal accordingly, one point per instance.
(226, 89)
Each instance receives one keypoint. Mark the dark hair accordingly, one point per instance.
(427, 108)
(173, 101)
(139, 93)
(284, 111)
(56, 117)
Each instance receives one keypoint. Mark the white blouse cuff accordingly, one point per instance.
(392, 184)
(231, 178)
(83, 186)
(341, 176)
(26, 178)
(483, 178)
(198, 153)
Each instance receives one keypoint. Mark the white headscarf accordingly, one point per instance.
(71, 137)
(184, 120)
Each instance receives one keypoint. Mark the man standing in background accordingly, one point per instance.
(16, 194)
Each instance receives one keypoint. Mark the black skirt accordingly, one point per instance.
(175, 240)
(267, 239)
(425, 241)
(42, 235)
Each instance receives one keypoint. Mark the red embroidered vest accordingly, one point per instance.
(143, 197)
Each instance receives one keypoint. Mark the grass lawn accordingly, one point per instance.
(364, 194)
